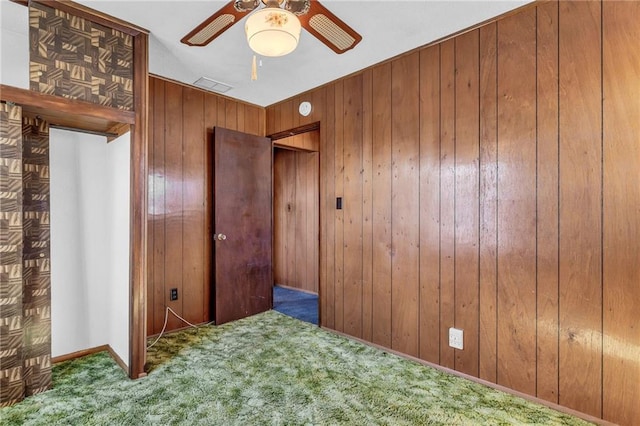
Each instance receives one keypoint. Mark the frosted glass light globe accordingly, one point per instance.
(273, 31)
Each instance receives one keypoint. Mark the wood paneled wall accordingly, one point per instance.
(491, 183)
(296, 218)
(181, 120)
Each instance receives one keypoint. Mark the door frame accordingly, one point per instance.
(277, 142)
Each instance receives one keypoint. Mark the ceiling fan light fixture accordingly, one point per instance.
(273, 31)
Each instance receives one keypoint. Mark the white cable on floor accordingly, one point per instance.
(166, 318)
(174, 313)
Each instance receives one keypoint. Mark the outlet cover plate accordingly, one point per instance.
(456, 338)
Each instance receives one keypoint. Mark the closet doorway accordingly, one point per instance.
(296, 225)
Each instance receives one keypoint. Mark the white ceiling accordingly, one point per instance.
(388, 28)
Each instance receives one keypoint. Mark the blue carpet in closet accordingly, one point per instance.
(296, 304)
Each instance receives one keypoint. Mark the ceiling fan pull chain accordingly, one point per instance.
(254, 69)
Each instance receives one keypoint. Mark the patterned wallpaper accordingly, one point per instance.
(79, 59)
(11, 333)
(36, 277)
(25, 295)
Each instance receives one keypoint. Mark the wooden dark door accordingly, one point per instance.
(242, 225)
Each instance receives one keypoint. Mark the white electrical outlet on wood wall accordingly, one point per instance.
(456, 338)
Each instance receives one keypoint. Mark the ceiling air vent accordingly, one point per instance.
(212, 85)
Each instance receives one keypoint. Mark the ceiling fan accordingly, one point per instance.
(280, 23)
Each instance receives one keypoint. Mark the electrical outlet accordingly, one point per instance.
(174, 294)
(456, 338)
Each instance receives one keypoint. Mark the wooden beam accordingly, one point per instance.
(138, 233)
(65, 112)
(117, 131)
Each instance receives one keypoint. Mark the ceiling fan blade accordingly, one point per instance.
(329, 29)
(215, 25)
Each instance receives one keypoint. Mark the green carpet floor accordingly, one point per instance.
(269, 369)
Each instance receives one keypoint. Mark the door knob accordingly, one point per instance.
(220, 237)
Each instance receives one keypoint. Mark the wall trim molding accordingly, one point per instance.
(80, 354)
(85, 352)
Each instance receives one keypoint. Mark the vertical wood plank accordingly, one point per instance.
(430, 204)
(488, 202)
(295, 115)
(327, 164)
(273, 114)
(447, 203)
(300, 119)
(381, 145)
(298, 232)
(157, 209)
(193, 137)
(261, 121)
(279, 215)
(467, 200)
(312, 219)
(270, 119)
(621, 233)
(286, 115)
(173, 204)
(160, 201)
(252, 120)
(240, 108)
(150, 212)
(290, 196)
(222, 112)
(310, 194)
(318, 106)
(278, 118)
(339, 216)
(323, 214)
(210, 113)
(547, 202)
(231, 114)
(367, 212)
(405, 134)
(352, 205)
(517, 202)
(580, 281)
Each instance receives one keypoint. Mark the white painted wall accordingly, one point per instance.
(78, 241)
(14, 44)
(89, 242)
(119, 155)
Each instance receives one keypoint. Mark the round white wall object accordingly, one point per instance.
(304, 108)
